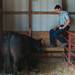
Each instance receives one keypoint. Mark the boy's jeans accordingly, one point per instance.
(56, 34)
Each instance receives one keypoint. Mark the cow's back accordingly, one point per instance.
(20, 50)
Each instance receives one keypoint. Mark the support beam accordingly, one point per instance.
(1, 17)
(30, 17)
(33, 12)
(64, 4)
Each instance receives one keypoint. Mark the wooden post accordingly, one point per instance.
(30, 17)
(64, 4)
(1, 18)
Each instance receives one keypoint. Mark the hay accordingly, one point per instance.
(49, 67)
(56, 68)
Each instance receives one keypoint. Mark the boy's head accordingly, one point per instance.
(58, 9)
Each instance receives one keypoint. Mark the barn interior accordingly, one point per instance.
(36, 18)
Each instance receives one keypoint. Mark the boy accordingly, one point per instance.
(64, 25)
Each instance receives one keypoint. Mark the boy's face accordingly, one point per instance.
(58, 10)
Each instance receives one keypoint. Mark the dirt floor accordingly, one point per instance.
(53, 66)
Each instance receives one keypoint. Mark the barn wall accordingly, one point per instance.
(15, 16)
(70, 5)
(44, 22)
(73, 23)
(40, 22)
(15, 5)
(20, 22)
(45, 5)
(15, 23)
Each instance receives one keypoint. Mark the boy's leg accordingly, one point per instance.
(52, 37)
(58, 36)
(59, 32)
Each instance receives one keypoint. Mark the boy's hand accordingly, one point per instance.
(61, 27)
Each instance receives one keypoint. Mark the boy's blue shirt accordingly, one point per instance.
(63, 16)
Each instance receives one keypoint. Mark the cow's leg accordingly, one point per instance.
(14, 61)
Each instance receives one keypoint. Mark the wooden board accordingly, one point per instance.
(54, 49)
(42, 35)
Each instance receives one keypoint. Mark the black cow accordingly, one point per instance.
(19, 51)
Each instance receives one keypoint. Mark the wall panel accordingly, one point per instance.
(70, 5)
(15, 5)
(15, 23)
(44, 22)
(73, 23)
(45, 5)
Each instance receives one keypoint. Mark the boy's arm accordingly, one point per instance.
(68, 21)
(66, 24)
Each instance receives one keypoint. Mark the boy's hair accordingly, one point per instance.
(57, 7)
